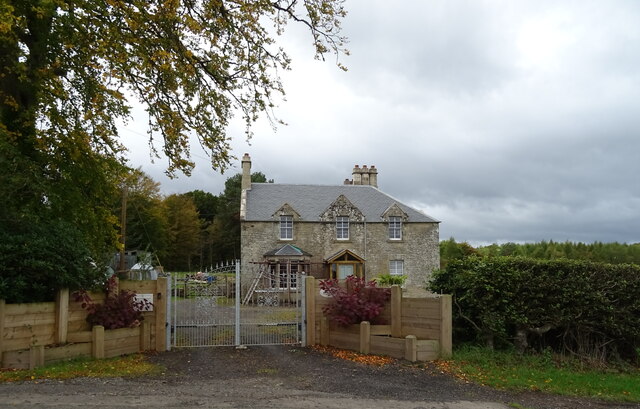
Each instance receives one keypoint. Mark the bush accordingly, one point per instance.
(577, 307)
(119, 310)
(38, 259)
(389, 280)
(358, 301)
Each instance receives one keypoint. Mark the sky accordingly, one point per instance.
(505, 120)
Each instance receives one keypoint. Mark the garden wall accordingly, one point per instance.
(35, 334)
(418, 329)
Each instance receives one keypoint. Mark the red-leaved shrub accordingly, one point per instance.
(359, 301)
(119, 309)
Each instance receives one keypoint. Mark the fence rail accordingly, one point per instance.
(37, 333)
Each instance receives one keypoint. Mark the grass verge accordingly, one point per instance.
(126, 366)
(512, 371)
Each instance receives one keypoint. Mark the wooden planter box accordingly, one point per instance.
(377, 339)
(97, 343)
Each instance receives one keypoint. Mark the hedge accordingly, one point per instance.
(578, 307)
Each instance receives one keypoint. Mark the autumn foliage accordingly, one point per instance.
(357, 301)
(352, 356)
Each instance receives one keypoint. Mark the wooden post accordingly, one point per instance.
(310, 300)
(145, 336)
(62, 316)
(446, 337)
(97, 341)
(2, 309)
(365, 337)
(324, 331)
(411, 348)
(160, 309)
(36, 356)
(396, 311)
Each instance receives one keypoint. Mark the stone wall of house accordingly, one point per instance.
(419, 247)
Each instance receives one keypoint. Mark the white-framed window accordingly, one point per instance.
(342, 228)
(396, 267)
(286, 227)
(395, 228)
(287, 274)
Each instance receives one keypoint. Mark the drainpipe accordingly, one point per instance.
(364, 273)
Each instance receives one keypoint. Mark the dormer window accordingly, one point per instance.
(395, 228)
(342, 228)
(286, 227)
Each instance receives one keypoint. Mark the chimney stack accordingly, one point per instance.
(357, 175)
(364, 176)
(246, 172)
(373, 176)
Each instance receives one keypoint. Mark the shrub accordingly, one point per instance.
(389, 280)
(358, 301)
(119, 310)
(577, 307)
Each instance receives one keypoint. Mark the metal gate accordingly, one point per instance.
(225, 306)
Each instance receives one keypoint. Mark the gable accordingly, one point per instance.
(342, 207)
(286, 210)
(394, 211)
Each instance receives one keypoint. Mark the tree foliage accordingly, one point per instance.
(69, 71)
(614, 253)
(184, 232)
(68, 67)
(225, 230)
(147, 223)
(37, 259)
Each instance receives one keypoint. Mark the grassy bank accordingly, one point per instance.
(127, 366)
(546, 373)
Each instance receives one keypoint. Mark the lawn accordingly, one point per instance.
(546, 373)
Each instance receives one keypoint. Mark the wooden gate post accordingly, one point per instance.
(97, 341)
(160, 309)
(446, 336)
(310, 300)
(62, 316)
(396, 311)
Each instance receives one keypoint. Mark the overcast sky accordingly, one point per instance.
(506, 120)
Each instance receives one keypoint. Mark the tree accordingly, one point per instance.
(147, 222)
(206, 204)
(67, 72)
(184, 232)
(225, 230)
(68, 67)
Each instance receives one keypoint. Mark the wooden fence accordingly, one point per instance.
(35, 334)
(418, 328)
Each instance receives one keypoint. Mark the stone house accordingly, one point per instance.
(334, 231)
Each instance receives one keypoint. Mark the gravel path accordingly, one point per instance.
(279, 377)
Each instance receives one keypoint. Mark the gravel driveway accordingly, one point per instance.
(278, 377)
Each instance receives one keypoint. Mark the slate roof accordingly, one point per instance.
(310, 201)
(287, 250)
